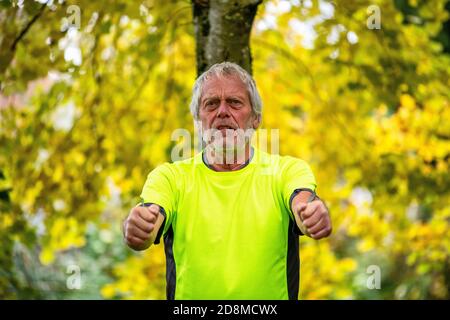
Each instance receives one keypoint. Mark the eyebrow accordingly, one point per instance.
(232, 96)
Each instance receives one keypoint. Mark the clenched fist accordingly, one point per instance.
(139, 227)
(314, 219)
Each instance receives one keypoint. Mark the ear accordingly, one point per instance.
(256, 121)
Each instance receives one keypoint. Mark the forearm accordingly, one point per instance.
(301, 197)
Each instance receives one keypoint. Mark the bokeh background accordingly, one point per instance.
(86, 112)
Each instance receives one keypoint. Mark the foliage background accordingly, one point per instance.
(86, 113)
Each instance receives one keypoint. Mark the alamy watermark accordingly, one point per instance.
(224, 145)
(374, 280)
(374, 19)
(73, 281)
(73, 18)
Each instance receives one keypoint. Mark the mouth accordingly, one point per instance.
(224, 127)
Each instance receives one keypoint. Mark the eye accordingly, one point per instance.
(210, 103)
(235, 102)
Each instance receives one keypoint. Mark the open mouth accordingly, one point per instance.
(224, 127)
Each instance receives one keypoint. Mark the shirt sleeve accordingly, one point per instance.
(160, 188)
(296, 174)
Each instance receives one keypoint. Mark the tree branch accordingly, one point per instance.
(28, 26)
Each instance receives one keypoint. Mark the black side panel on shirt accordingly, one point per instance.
(293, 263)
(171, 271)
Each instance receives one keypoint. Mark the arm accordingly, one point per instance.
(141, 226)
(311, 215)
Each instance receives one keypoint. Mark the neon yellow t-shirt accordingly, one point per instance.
(230, 235)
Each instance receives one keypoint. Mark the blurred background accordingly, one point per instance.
(91, 92)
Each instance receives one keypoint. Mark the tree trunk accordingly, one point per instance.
(222, 32)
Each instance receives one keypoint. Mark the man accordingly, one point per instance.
(230, 227)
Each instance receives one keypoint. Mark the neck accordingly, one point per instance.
(227, 161)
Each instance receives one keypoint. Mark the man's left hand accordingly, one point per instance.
(315, 218)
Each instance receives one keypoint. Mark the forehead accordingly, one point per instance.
(224, 84)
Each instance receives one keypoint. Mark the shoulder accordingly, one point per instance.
(179, 167)
(289, 161)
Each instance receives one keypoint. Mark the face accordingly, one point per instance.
(225, 106)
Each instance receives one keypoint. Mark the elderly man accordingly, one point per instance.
(230, 228)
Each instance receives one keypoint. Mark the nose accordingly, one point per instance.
(223, 111)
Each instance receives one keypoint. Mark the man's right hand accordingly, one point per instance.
(139, 227)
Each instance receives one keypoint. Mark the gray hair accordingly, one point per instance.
(226, 69)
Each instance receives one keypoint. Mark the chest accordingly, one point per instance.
(230, 209)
